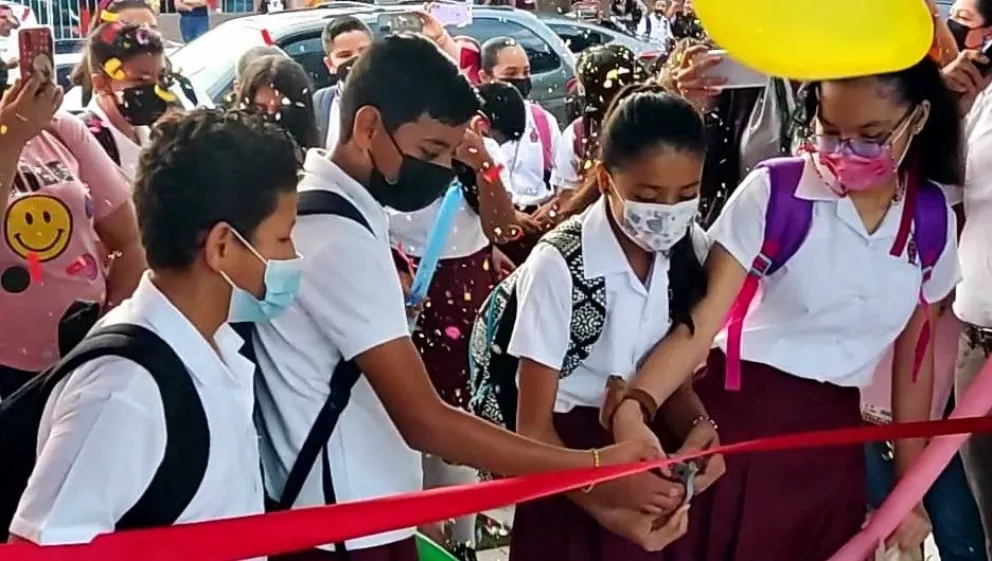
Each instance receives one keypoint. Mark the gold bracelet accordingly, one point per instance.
(595, 465)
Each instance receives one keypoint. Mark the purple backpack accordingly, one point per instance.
(787, 222)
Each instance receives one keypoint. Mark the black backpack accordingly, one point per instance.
(342, 380)
(180, 474)
(492, 370)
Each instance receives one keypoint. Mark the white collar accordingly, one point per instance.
(143, 133)
(320, 173)
(148, 302)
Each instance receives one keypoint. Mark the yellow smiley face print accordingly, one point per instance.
(38, 224)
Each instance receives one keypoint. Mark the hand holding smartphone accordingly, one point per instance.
(35, 53)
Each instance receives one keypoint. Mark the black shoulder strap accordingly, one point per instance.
(101, 132)
(187, 449)
(318, 201)
(178, 477)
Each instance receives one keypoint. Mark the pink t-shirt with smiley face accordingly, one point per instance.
(52, 273)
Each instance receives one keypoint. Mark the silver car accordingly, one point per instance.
(579, 35)
(209, 60)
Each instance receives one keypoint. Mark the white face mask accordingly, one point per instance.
(656, 226)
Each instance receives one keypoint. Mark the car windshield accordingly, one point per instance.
(208, 60)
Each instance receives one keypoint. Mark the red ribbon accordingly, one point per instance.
(270, 534)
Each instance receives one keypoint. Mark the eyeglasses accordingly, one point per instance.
(864, 147)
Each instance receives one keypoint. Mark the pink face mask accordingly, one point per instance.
(844, 166)
(846, 172)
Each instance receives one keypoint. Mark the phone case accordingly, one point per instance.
(452, 14)
(35, 52)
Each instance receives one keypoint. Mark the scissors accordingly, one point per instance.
(685, 473)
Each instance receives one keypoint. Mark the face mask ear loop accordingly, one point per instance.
(250, 247)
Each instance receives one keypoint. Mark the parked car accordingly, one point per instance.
(579, 35)
(209, 60)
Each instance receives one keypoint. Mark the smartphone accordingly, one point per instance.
(457, 14)
(35, 48)
(737, 74)
(987, 52)
(400, 23)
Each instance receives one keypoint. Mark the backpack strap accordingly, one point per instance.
(343, 379)
(180, 474)
(543, 132)
(926, 207)
(579, 139)
(787, 222)
(101, 132)
(319, 201)
(588, 295)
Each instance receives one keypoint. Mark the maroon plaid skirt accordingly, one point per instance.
(458, 289)
(800, 505)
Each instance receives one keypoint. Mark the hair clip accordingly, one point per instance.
(108, 17)
(164, 94)
(115, 69)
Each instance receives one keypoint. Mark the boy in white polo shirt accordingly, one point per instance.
(216, 201)
(404, 113)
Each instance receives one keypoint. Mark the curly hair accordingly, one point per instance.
(204, 167)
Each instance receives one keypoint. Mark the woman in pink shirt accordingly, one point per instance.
(70, 245)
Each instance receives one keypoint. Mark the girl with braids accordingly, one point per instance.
(640, 237)
(130, 89)
(602, 72)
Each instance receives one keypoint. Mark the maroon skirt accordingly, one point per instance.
(800, 505)
(403, 550)
(555, 528)
(458, 289)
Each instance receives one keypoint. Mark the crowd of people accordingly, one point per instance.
(187, 294)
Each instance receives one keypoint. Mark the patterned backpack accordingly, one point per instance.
(493, 371)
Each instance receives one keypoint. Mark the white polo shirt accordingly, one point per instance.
(411, 230)
(841, 300)
(334, 123)
(350, 301)
(636, 315)
(103, 435)
(525, 158)
(566, 172)
(128, 149)
(973, 301)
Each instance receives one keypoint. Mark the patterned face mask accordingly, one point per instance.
(657, 227)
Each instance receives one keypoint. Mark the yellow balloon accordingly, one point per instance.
(820, 39)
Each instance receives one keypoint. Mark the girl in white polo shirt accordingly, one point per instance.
(640, 237)
(875, 221)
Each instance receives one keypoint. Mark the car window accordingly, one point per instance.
(308, 50)
(542, 57)
(209, 61)
(578, 39)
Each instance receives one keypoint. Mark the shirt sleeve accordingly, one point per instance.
(947, 270)
(544, 308)
(565, 172)
(351, 290)
(740, 228)
(106, 440)
(108, 185)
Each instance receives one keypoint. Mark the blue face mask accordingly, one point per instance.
(282, 281)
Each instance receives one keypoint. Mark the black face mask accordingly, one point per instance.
(523, 85)
(141, 105)
(418, 185)
(341, 74)
(959, 31)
